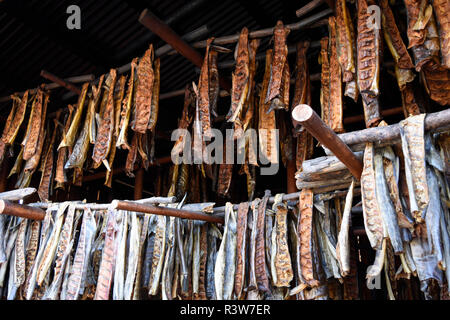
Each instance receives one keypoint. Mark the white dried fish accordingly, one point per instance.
(133, 257)
(343, 245)
(119, 271)
(158, 255)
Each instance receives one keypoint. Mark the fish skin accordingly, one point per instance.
(210, 264)
(325, 80)
(368, 64)
(9, 251)
(158, 255)
(184, 121)
(63, 153)
(36, 121)
(214, 88)
(240, 77)
(69, 138)
(64, 248)
(266, 120)
(343, 244)
(305, 230)
(203, 94)
(375, 269)
(108, 259)
(143, 95)
(76, 281)
(283, 264)
(119, 268)
(441, 10)
(17, 121)
(106, 128)
(203, 259)
(437, 82)
(335, 100)
(155, 97)
(413, 146)
(345, 41)
(278, 62)
(2, 239)
(140, 260)
(19, 253)
(31, 251)
(51, 245)
(196, 261)
(388, 212)
(169, 259)
(260, 259)
(241, 240)
(373, 221)
(131, 157)
(393, 37)
(127, 105)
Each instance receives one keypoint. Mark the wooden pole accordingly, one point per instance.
(164, 211)
(138, 183)
(388, 135)
(305, 116)
(18, 194)
(23, 211)
(69, 86)
(154, 24)
(308, 7)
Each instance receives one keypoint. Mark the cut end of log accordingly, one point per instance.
(114, 204)
(302, 113)
(142, 15)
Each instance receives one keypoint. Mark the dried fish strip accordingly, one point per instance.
(275, 92)
(203, 94)
(184, 122)
(108, 259)
(393, 38)
(119, 268)
(325, 80)
(373, 221)
(240, 78)
(127, 105)
(283, 266)
(144, 92)
(437, 83)
(368, 57)
(155, 97)
(69, 138)
(305, 230)
(214, 88)
(16, 123)
(159, 251)
(30, 143)
(345, 41)
(224, 270)
(60, 174)
(335, 101)
(241, 243)
(260, 257)
(343, 243)
(19, 254)
(106, 128)
(413, 145)
(442, 9)
(266, 120)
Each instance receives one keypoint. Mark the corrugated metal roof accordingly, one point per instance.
(34, 36)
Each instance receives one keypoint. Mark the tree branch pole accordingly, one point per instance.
(164, 211)
(69, 86)
(154, 24)
(138, 184)
(19, 210)
(18, 194)
(304, 115)
(388, 135)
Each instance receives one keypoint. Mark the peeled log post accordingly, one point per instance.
(19, 210)
(58, 80)
(164, 211)
(15, 195)
(154, 24)
(389, 135)
(305, 115)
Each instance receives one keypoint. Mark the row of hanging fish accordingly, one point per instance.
(355, 59)
(101, 119)
(405, 199)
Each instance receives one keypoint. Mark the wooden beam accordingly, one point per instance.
(308, 7)
(138, 184)
(69, 86)
(332, 5)
(18, 194)
(305, 116)
(153, 23)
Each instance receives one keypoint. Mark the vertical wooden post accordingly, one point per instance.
(138, 184)
(3, 175)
